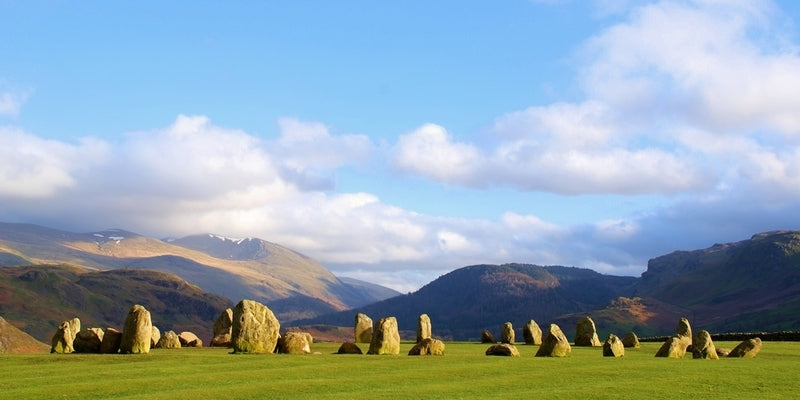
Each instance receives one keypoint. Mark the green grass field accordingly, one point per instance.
(464, 372)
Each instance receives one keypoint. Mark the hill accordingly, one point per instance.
(37, 298)
(294, 285)
(13, 340)
(464, 302)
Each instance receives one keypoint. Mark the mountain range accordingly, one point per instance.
(751, 285)
(294, 285)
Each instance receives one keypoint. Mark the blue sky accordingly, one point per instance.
(396, 142)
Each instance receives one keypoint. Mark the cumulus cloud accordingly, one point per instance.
(11, 102)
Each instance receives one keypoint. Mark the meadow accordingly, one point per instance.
(464, 372)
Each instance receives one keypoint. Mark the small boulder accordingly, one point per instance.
(189, 339)
(428, 347)
(111, 341)
(255, 328)
(487, 337)
(554, 343)
(363, 328)
(385, 337)
(532, 333)
(349, 348)
(137, 331)
(586, 333)
(503, 349)
(703, 346)
(507, 334)
(613, 347)
(155, 337)
(423, 328)
(631, 340)
(88, 340)
(222, 329)
(294, 343)
(169, 340)
(723, 352)
(746, 349)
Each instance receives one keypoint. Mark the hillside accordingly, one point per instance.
(37, 298)
(13, 340)
(294, 285)
(464, 302)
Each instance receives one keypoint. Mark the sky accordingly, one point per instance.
(397, 141)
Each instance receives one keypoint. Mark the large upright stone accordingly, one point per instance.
(532, 333)
(613, 347)
(169, 340)
(222, 329)
(137, 331)
(88, 340)
(385, 337)
(684, 331)
(64, 337)
(746, 349)
(255, 328)
(586, 333)
(363, 328)
(631, 340)
(428, 347)
(507, 334)
(111, 341)
(703, 346)
(423, 328)
(554, 343)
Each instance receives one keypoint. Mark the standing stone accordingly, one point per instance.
(169, 340)
(504, 349)
(428, 347)
(423, 328)
(385, 337)
(294, 343)
(703, 346)
(111, 341)
(554, 343)
(222, 329)
(363, 328)
(631, 340)
(684, 331)
(532, 333)
(747, 349)
(586, 333)
(64, 337)
(349, 348)
(613, 347)
(88, 340)
(137, 331)
(487, 337)
(673, 347)
(155, 337)
(507, 334)
(255, 328)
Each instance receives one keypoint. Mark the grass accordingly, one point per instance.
(464, 372)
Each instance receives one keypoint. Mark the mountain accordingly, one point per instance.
(293, 285)
(37, 298)
(464, 302)
(13, 340)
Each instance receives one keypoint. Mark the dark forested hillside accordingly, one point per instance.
(468, 300)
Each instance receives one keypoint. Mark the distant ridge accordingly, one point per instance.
(13, 340)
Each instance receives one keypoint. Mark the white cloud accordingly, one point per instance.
(11, 102)
(431, 151)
